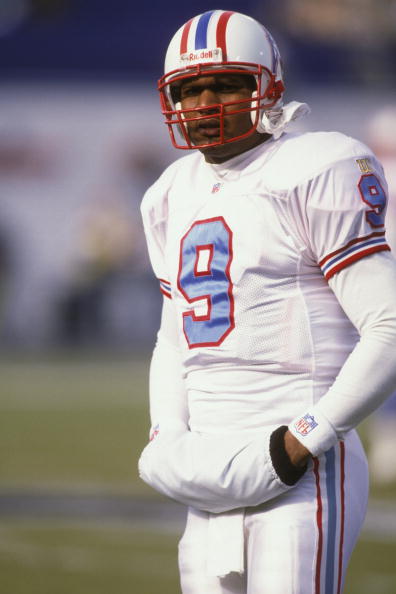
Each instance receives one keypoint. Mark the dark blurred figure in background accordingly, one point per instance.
(104, 252)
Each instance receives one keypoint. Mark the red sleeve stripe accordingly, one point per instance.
(166, 294)
(352, 251)
(346, 260)
(349, 244)
(165, 288)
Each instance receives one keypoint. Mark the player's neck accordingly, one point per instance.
(223, 152)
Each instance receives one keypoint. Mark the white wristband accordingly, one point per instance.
(314, 431)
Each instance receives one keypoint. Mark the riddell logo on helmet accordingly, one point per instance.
(204, 55)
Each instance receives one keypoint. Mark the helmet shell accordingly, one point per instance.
(220, 36)
(220, 41)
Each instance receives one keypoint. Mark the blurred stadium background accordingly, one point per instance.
(81, 138)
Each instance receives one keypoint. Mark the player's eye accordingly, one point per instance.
(189, 91)
(228, 87)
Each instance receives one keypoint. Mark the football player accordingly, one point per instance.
(278, 329)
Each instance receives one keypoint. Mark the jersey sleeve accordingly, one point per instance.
(214, 473)
(368, 376)
(345, 210)
(154, 212)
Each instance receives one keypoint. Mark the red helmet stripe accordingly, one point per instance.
(221, 32)
(184, 38)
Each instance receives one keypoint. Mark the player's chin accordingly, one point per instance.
(203, 138)
(208, 143)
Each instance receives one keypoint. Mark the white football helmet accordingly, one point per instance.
(220, 42)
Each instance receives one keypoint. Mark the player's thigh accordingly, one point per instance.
(193, 548)
(302, 541)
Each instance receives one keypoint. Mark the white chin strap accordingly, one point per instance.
(274, 121)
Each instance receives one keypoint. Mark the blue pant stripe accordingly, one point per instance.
(332, 521)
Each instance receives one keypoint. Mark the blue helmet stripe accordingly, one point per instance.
(201, 35)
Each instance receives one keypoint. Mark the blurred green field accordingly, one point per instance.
(77, 425)
(73, 423)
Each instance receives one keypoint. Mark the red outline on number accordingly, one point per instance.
(373, 208)
(201, 248)
(208, 297)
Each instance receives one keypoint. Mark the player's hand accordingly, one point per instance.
(289, 457)
(298, 454)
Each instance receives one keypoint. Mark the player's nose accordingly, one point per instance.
(207, 98)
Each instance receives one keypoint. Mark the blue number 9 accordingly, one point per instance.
(204, 275)
(373, 194)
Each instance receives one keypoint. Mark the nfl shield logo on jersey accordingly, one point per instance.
(305, 424)
(216, 188)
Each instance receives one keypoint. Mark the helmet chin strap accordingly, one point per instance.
(274, 121)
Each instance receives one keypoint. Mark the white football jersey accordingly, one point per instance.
(245, 250)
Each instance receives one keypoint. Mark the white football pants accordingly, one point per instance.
(297, 543)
